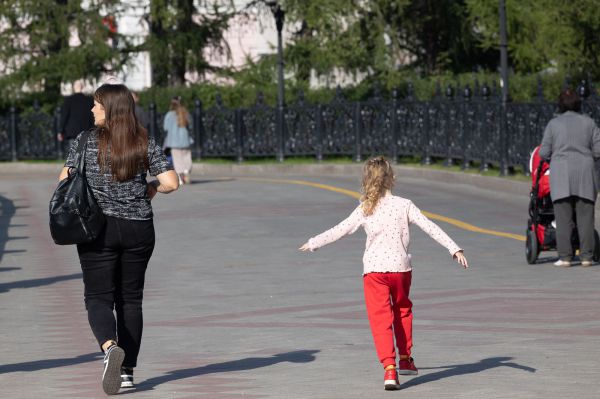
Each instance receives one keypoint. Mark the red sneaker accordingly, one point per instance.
(390, 380)
(407, 367)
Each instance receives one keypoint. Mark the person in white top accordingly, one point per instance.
(387, 269)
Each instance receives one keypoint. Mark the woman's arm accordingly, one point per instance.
(167, 122)
(166, 182)
(595, 142)
(546, 146)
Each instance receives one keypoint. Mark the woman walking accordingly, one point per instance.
(119, 154)
(387, 271)
(571, 143)
(177, 125)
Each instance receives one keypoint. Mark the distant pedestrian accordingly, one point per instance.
(387, 272)
(571, 142)
(141, 113)
(75, 115)
(118, 157)
(177, 126)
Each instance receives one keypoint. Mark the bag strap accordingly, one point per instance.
(81, 148)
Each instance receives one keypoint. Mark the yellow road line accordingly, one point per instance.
(354, 194)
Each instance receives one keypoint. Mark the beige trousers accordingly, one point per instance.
(182, 160)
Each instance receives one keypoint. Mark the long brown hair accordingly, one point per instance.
(121, 133)
(180, 111)
(378, 177)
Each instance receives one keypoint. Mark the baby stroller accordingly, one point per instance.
(541, 228)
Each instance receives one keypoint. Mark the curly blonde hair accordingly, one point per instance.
(378, 177)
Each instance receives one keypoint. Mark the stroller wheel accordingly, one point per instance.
(596, 255)
(531, 247)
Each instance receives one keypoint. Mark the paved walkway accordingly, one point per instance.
(233, 310)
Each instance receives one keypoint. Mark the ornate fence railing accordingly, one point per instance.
(464, 129)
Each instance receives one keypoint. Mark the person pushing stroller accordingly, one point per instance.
(571, 143)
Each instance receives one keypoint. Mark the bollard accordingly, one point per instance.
(357, 133)
(198, 129)
(467, 94)
(13, 133)
(394, 125)
(58, 144)
(153, 120)
(239, 136)
(319, 133)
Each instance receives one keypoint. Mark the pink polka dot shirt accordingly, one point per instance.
(388, 234)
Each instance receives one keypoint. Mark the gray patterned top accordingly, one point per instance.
(125, 200)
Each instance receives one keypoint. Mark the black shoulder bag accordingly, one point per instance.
(75, 217)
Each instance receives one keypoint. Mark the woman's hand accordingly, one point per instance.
(305, 247)
(64, 173)
(460, 258)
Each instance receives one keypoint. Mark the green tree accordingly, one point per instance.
(437, 34)
(35, 54)
(543, 34)
(381, 38)
(181, 33)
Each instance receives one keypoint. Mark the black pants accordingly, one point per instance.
(564, 210)
(113, 268)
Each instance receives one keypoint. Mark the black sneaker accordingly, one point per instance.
(111, 378)
(126, 377)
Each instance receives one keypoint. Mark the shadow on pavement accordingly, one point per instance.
(226, 179)
(461, 369)
(9, 269)
(547, 259)
(7, 211)
(37, 282)
(37, 365)
(249, 363)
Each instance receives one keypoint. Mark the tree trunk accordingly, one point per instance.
(158, 47)
(52, 81)
(185, 24)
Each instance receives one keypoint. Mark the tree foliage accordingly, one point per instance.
(182, 32)
(543, 34)
(387, 40)
(35, 49)
(380, 37)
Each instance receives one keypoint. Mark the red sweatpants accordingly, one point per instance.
(390, 313)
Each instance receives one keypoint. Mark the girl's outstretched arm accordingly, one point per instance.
(415, 216)
(347, 226)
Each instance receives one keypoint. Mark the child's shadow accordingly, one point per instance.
(249, 363)
(460, 369)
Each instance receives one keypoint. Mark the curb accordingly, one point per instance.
(491, 183)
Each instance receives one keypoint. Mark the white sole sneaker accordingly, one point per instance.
(562, 263)
(127, 384)
(391, 385)
(111, 378)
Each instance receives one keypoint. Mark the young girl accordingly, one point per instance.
(387, 269)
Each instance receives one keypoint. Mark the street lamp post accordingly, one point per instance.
(279, 15)
(503, 87)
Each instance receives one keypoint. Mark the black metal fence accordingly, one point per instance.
(464, 128)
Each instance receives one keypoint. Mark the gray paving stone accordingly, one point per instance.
(233, 310)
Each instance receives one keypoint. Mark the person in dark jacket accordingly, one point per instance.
(571, 143)
(140, 112)
(75, 116)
